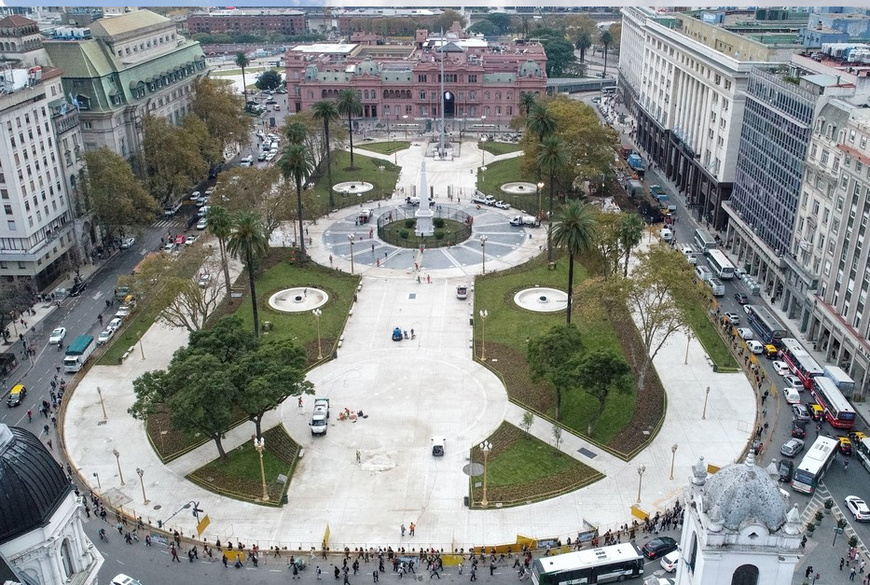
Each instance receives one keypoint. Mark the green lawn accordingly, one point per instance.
(316, 200)
(508, 171)
(522, 468)
(498, 148)
(388, 147)
(705, 331)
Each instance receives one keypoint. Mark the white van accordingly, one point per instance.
(717, 286)
(666, 234)
(704, 274)
(689, 253)
(247, 161)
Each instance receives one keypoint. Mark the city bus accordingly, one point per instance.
(719, 263)
(704, 240)
(769, 329)
(841, 379)
(838, 411)
(589, 566)
(862, 450)
(814, 465)
(800, 361)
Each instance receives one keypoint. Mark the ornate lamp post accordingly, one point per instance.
(102, 404)
(483, 315)
(641, 469)
(539, 186)
(259, 445)
(117, 455)
(673, 456)
(99, 485)
(317, 313)
(486, 447)
(140, 473)
(350, 238)
(483, 245)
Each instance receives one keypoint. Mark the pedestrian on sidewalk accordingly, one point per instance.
(842, 562)
(403, 526)
(375, 576)
(174, 553)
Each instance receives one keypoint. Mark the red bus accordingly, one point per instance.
(838, 411)
(800, 361)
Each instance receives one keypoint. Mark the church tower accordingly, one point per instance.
(737, 529)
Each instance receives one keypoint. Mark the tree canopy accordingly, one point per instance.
(222, 111)
(547, 353)
(597, 373)
(172, 158)
(114, 195)
(269, 79)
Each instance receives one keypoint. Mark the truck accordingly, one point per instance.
(635, 161)
(521, 220)
(320, 417)
(77, 353)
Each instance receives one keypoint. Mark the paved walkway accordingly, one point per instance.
(411, 391)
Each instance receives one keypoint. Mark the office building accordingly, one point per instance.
(248, 21)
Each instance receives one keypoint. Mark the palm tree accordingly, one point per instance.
(527, 100)
(242, 62)
(249, 242)
(541, 121)
(325, 110)
(584, 41)
(630, 233)
(220, 224)
(349, 104)
(574, 231)
(553, 157)
(295, 164)
(295, 132)
(606, 39)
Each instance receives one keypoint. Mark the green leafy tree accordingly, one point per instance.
(152, 390)
(584, 41)
(548, 352)
(222, 111)
(172, 158)
(228, 340)
(242, 63)
(483, 27)
(249, 243)
(598, 372)
(207, 145)
(269, 374)
(553, 157)
(269, 80)
(560, 56)
(295, 132)
(575, 231)
(15, 296)
(527, 100)
(350, 105)
(606, 39)
(501, 21)
(294, 164)
(220, 224)
(446, 20)
(630, 235)
(326, 112)
(114, 195)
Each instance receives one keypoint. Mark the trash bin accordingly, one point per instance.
(267, 325)
(465, 501)
(284, 500)
(354, 297)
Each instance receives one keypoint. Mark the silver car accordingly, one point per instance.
(792, 447)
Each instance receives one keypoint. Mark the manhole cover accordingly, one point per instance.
(473, 469)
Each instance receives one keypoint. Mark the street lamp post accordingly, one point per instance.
(405, 124)
(483, 245)
(641, 469)
(317, 313)
(99, 485)
(486, 447)
(102, 404)
(259, 445)
(483, 315)
(140, 473)
(350, 238)
(117, 455)
(539, 186)
(706, 396)
(673, 456)
(141, 349)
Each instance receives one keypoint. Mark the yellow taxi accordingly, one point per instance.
(16, 395)
(845, 445)
(817, 412)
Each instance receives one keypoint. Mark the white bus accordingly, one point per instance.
(720, 265)
(841, 379)
(704, 240)
(862, 450)
(814, 465)
(590, 566)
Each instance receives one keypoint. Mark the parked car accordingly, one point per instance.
(745, 333)
(202, 223)
(669, 561)
(858, 508)
(792, 447)
(791, 395)
(658, 547)
(195, 195)
(77, 289)
(397, 334)
(115, 323)
(105, 336)
(127, 243)
(191, 239)
(781, 367)
(204, 279)
(57, 336)
(502, 205)
(734, 318)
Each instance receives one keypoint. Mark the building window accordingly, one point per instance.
(422, 78)
(7, 209)
(472, 78)
(745, 575)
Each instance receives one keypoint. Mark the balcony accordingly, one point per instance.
(65, 120)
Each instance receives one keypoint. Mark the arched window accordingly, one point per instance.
(745, 575)
(386, 94)
(66, 559)
(323, 93)
(693, 553)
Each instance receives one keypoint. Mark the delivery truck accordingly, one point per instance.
(77, 353)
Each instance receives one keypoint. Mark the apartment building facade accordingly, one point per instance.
(252, 21)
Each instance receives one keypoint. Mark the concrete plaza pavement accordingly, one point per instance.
(411, 391)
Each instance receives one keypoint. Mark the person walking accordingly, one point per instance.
(375, 576)
(174, 553)
(473, 573)
(403, 527)
(318, 572)
(295, 571)
(842, 562)
(413, 526)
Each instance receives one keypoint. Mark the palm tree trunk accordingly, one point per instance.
(604, 72)
(253, 286)
(570, 283)
(244, 88)
(299, 214)
(225, 264)
(350, 134)
(550, 222)
(328, 166)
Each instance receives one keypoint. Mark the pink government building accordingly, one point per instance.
(400, 84)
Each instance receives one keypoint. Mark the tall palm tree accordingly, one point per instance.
(349, 104)
(541, 121)
(574, 231)
(295, 163)
(325, 110)
(242, 61)
(527, 100)
(220, 224)
(249, 242)
(584, 41)
(606, 39)
(630, 234)
(552, 157)
(295, 132)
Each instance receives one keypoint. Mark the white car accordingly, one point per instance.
(792, 447)
(124, 311)
(195, 195)
(858, 508)
(271, 156)
(755, 346)
(202, 224)
(204, 279)
(745, 333)
(792, 396)
(793, 381)
(127, 243)
(122, 579)
(169, 247)
(105, 336)
(115, 324)
(747, 308)
(502, 205)
(670, 560)
(733, 317)
(57, 336)
(780, 367)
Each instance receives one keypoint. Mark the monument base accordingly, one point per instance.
(424, 217)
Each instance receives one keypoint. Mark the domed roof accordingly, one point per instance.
(530, 69)
(32, 483)
(743, 493)
(367, 67)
